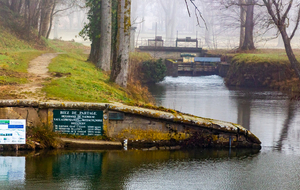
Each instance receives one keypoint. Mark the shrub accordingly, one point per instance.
(153, 71)
(42, 137)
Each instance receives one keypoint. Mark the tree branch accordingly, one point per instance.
(286, 11)
(187, 7)
(297, 24)
(200, 15)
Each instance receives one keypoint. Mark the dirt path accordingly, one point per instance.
(38, 69)
(38, 73)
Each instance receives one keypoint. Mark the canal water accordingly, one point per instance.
(268, 114)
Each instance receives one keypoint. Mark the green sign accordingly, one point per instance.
(88, 123)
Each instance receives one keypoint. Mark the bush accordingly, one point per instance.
(153, 71)
(42, 137)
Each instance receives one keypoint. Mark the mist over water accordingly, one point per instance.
(268, 114)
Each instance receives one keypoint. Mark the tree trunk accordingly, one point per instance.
(279, 18)
(95, 33)
(243, 22)
(289, 51)
(94, 54)
(14, 6)
(51, 19)
(27, 16)
(105, 39)
(45, 17)
(121, 56)
(35, 10)
(249, 26)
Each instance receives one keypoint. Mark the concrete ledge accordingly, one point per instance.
(164, 117)
(91, 144)
(186, 119)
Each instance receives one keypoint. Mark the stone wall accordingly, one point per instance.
(139, 124)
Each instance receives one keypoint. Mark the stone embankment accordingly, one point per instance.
(140, 126)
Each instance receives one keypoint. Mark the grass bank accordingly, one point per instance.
(15, 54)
(263, 68)
(75, 79)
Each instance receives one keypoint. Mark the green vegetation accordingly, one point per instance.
(263, 68)
(153, 71)
(15, 55)
(10, 42)
(82, 81)
(14, 64)
(42, 137)
(271, 58)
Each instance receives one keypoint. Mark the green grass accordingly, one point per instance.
(18, 61)
(14, 64)
(273, 58)
(12, 80)
(15, 55)
(82, 81)
(10, 42)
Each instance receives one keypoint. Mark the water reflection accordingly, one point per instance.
(268, 114)
(103, 169)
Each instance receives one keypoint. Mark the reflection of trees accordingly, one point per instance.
(286, 126)
(110, 169)
(244, 112)
(243, 98)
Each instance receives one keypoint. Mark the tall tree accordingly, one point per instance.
(243, 14)
(170, 8)
(248, 43)
(121, 50)
(279, 11)
(246, 19)
(105, 36)
(47, 8)
(92, 29)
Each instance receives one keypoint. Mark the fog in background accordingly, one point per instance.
(170, 20)
(68, 23)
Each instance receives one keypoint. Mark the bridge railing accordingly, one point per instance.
(169, 42)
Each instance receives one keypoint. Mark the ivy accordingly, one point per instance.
(153, 71)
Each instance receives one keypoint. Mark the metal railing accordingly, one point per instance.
(169, 42)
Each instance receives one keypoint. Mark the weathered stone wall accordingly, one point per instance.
(140, 124)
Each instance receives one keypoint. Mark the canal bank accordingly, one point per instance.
(263, 70)
(268, 114)
(138, 125)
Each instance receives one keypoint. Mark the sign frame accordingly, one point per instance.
(12, 131)
(78, 122)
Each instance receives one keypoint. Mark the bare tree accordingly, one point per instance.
(170, 8)
(279, 11)
(243, 15)
(248, 43)
(246, 19)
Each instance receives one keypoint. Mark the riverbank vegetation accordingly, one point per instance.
(261, 68)
(73, 78)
